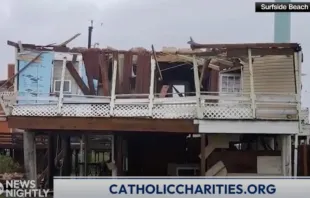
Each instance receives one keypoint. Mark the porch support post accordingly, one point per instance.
(295, 155)
(66, 147)
(61, 91)
(252, 94)
(283, 154)
(297, 66)
(86, 149)
(119, 154)
(114, 75)
(203, 154)
(151, 92)
(305, 159)
(197, 87)
(30, 160)
(289, 155)
(113, 154)
(51, 159)
(81, 168)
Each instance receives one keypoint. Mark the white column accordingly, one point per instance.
(113, 97)
(61, 91)
(289, 155)
(295, 155)
(297, 66)
(114, 169)
(252, 83)
(151, 92)
(283, 154)
(197, 87)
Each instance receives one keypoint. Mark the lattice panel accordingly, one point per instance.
(86, 110)
(174, 111)
(131, 110)
(7, 93)
(227, 111)
(35, 110)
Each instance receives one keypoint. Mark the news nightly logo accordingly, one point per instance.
(21, 188)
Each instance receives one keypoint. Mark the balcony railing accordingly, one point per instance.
(209, 105)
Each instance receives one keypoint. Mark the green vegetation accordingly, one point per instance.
(7, 165)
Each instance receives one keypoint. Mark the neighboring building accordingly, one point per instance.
(243, 98)
(5, 131)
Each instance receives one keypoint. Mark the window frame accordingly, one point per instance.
(229, 75)
(70, 88)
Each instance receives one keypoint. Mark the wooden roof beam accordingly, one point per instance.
(79, 81)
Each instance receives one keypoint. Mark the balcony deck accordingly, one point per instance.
(209, 106)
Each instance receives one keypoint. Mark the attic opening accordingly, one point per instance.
(178, 77)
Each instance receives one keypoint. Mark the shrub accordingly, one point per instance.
(7, 165)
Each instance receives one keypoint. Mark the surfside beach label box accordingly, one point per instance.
(282, 7)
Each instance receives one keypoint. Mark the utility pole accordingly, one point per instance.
(282, 25)
(90, 31)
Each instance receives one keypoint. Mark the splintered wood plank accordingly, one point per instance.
(79, 81)
(143, 73)
(128, 64)
(204, 71)
(90, 64)
(104, 68)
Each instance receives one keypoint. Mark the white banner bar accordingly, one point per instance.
(185, 187)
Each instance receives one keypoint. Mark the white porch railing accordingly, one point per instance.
(211, 106)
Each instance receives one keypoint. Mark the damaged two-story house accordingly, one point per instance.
(214, 109)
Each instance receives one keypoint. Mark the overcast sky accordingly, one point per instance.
(124, 24)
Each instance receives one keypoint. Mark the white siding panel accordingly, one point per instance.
(272, 74)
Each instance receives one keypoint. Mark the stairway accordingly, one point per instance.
(218, 141)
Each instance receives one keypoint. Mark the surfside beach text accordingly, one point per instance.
(282, 7)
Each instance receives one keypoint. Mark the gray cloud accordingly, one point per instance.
(129, 23)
